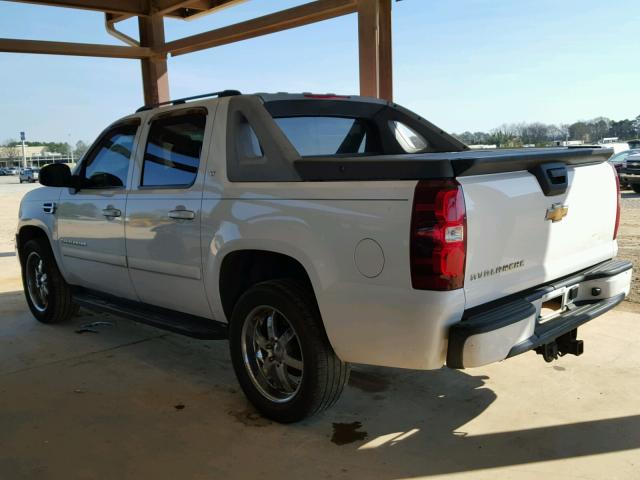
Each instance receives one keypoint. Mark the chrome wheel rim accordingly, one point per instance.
(272, 354)
(37, 282)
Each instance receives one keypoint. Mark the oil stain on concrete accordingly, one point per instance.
(250, 418)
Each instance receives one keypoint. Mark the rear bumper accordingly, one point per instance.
(510, 326)
(629, 178)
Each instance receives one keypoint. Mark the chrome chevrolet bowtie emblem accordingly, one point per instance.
(557, 212)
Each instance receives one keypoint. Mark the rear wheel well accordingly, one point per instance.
(242, 269)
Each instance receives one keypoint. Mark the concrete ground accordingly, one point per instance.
(117, 400)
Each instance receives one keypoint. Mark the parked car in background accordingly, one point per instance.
(630, 170)
(3, 172)
(14, 171)
(618, 161)
(29, 175)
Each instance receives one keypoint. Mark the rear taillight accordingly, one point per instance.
(615, 228)
(438, 236)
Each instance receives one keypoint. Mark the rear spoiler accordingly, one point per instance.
(528, 159)
(427, 166)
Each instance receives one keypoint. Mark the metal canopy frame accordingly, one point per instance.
(374, 36)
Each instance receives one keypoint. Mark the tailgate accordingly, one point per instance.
(512, 246)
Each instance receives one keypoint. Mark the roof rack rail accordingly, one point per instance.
(178, 101)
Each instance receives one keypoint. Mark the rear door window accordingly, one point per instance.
(172, 153)
(320, 136)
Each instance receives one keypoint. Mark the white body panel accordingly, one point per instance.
(506, 224)
(164, 254)
(92, 245)
(32, 214)
(379, 320)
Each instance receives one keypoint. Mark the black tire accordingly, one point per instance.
(323, 373)
(58, 305)
(636, 187)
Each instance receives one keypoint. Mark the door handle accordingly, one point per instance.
(111, 212)
(182, 214)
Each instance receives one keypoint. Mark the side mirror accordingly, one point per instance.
(58, 175)
(105, 180)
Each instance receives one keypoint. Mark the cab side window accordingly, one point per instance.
(107, 164)
(172, 154)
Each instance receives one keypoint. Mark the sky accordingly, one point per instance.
(462, 64)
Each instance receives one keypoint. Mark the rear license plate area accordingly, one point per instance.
(551, 308)
(556, 303)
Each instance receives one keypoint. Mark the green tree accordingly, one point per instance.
(62, 148)
(580, 131)
(636, 125)
(11, 150)
(599, 128)
(80, 150)
(622, 129)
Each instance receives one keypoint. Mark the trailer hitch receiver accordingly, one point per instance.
(561, 346)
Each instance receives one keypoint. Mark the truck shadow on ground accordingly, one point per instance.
(431, 428)
(394, 423)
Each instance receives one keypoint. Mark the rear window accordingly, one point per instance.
(320, 136)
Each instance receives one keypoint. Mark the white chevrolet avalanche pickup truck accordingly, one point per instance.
(314, 231)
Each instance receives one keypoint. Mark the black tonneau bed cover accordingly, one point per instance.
(442, 164)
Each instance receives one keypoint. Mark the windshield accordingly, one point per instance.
(620, 157)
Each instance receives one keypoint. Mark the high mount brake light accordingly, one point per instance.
(324, 96)
(617, 224)
(438, 236)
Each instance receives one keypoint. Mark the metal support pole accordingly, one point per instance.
(24, 155)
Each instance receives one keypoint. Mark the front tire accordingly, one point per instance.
(281, 354)
(48, 294)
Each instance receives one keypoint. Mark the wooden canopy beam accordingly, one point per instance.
(155, 75)
(75, 49)
(165, 7)
(293, 17)
(130, 7)
(189, 9)
(374, 41)
(374, 36)
(127, 8)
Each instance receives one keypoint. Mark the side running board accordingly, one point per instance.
(176, 322)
